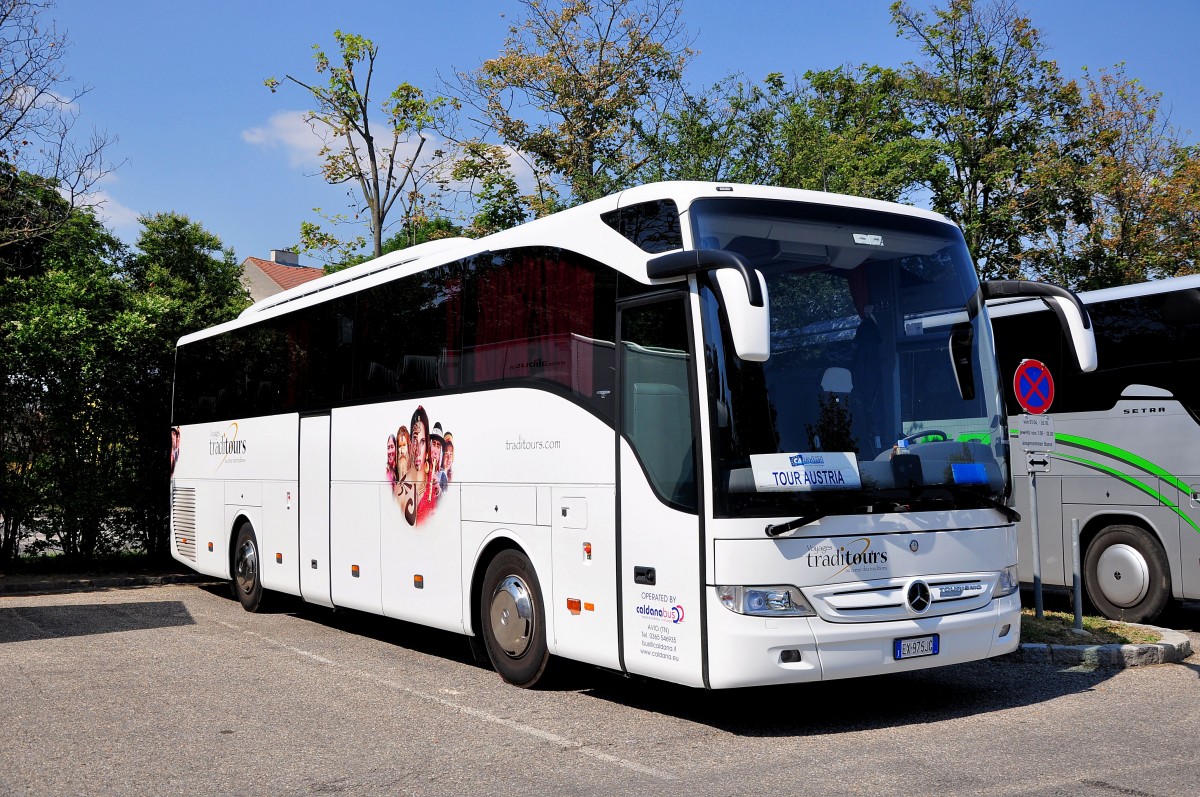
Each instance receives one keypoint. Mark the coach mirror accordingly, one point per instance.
(742, 288)
(1072, 315)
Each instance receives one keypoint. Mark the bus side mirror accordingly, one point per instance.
(743, 291)
(1072, 315)
(749, 326)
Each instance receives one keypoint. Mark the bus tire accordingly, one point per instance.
(1126, 574)
(246, 569)
(513, 618)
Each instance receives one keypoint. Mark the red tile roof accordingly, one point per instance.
(287, 276)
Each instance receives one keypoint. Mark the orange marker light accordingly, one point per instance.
(573, 605)
(278, 558)
(354, 570)
(419, 581)
(589, 607)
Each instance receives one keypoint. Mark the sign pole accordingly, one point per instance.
(1036, 433)
(1037, 547)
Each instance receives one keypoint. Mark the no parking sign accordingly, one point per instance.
(1033, 386)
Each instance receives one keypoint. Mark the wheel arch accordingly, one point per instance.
(235, 526)
(500, 542)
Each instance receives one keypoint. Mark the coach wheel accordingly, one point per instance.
(514, 626)
(1126, 574)
(246, 582)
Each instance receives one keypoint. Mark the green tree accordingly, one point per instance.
(841, 130)
(180, 279)
(1114, 189)
(989, 99)
(63, 377)
(484, 168)
(847, 131)
(366, 152)
(729, 132)
(577, 87)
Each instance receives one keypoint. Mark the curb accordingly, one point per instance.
(38, 585)
(1174, 648)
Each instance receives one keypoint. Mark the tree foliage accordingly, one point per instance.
(377, 151)
(1115, 189)
(988, 97)
(576, 87)
(37, 121)
(87, 337)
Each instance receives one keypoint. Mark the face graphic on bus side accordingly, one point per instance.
(421, 456)
(402, 453)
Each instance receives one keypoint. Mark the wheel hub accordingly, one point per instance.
(1124, 575)
(247, 567)
(512, 616)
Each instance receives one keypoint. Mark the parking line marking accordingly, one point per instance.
(520, 727)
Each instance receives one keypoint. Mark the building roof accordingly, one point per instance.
(285, 276)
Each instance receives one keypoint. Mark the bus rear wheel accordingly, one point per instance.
(247, 585)
(1126, 574)
(513, 619)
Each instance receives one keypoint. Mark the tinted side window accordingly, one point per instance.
(1147, 340)
(408, 335)
(652, 226)
(318, 344)
(656, 407)
(545, 316)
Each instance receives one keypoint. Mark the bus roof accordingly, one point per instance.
(579, 228)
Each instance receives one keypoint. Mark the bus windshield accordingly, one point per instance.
(880, 393)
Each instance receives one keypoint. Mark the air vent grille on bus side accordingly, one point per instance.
(183, 520)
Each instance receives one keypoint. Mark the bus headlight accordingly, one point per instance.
(1008, 583)
(772, 601)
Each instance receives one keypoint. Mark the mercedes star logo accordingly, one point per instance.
(919, 597)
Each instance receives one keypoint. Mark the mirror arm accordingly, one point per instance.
(1011, 289)
(691, 261)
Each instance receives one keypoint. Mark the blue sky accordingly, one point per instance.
(181, 84)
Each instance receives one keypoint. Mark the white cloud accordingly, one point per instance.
(121, 219)
(43, 99)
(289, 130)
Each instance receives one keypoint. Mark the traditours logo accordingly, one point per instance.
(672, 613)
(846, 557)
(225, 444)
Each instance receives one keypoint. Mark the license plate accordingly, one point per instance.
(916, 646)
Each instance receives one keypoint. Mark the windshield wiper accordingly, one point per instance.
(959, 491)
(921, 493)
(775, 529)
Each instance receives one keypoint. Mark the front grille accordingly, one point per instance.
(884, 599)
(183, 520)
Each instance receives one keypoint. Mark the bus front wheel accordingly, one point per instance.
(1127, 575)
(513, 619)
(247, 585)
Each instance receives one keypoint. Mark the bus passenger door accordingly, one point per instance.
(314, 509)
(661, 570)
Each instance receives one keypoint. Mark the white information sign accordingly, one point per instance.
(1037, 462)
(790, 473)
(1035, 432)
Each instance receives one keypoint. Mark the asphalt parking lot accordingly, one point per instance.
(175, 690)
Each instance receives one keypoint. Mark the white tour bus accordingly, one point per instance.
(698, 432)
(1126, 462)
